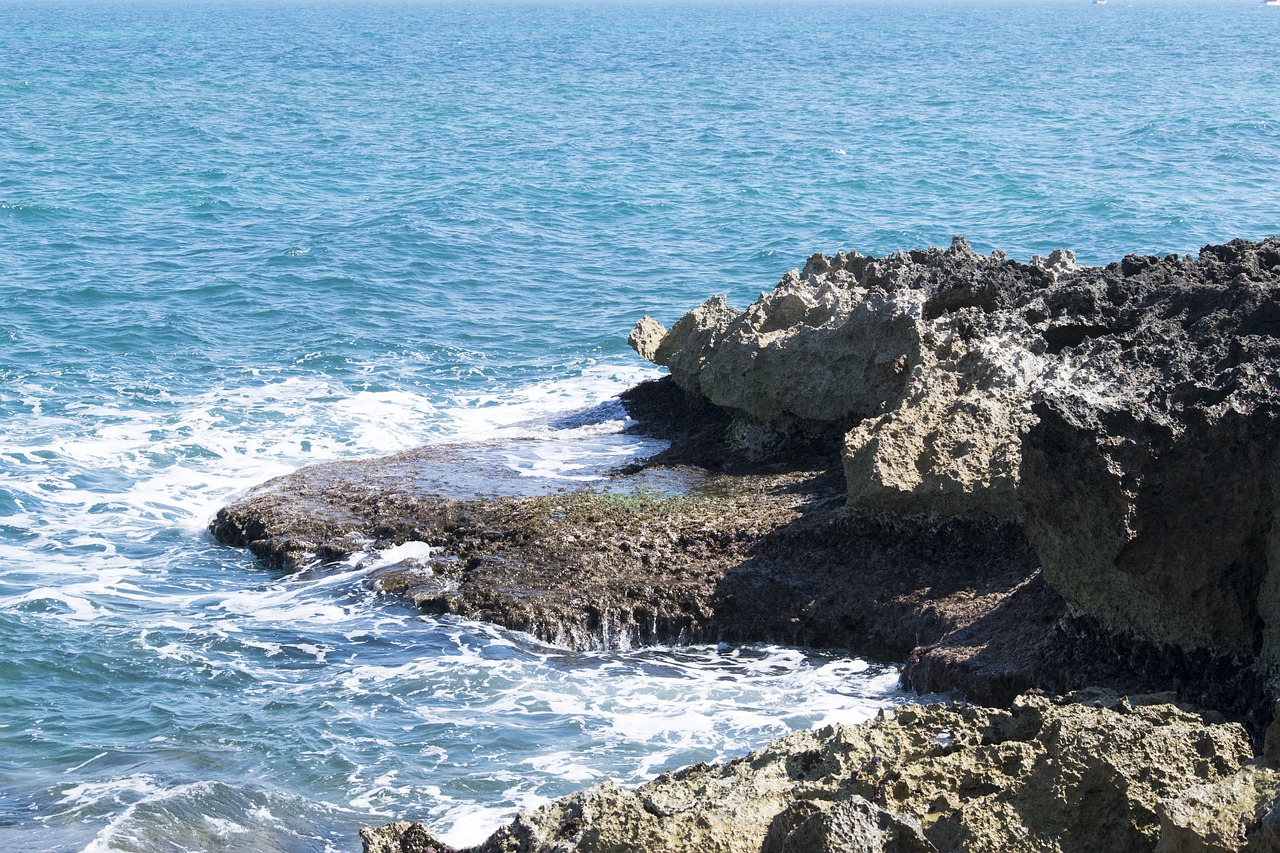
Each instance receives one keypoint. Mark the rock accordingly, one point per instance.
(646, 337)
(911, 354)
(1150, 481)
(854, 823)
(951, 447)
(1129, 413)
(851, 358)
(1049, 476)
(1099, 774)
(1231, 813)
(746, 557)
(402, 837)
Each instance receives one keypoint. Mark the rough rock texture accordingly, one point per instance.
(918, 356)
(1099, 773)
(1022, 475)
(737, 557)
(1151, 490)
(1129, 413)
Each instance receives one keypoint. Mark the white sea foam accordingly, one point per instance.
(461, 723)
(417, 553)
(97, 474)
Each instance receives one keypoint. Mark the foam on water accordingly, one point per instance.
(242, 238)
(365, 708)
(75, 484)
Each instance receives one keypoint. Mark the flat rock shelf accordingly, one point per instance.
(1046, 487)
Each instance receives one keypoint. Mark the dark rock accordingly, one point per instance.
(1028, 476)
(736, 557)
(402, 837)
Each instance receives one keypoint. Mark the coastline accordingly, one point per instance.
(936, 498)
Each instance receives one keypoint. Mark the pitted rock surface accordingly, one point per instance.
(1127, 413)
(1102, 773)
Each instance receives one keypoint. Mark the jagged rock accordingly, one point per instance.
(646, 337)
(850, 360)
(952, 445)
(1129, 411)
(1150, 483)
(1100, 774)
(1236, 812)
(913, 353)
(1126, 415)
(402, 837)
(850, 824)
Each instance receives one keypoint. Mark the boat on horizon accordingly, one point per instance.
(1271, 2)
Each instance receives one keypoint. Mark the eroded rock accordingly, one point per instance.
(1101, 773)
(1128, 412)
(915, 355)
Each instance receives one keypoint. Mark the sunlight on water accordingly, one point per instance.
(242, 238)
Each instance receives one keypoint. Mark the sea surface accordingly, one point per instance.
(238, 238)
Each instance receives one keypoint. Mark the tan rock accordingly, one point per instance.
(1227, 814)
(1107, 774)
(646, 337)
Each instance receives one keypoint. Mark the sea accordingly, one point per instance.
(237, 238)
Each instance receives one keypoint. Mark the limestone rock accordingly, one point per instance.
(401, 837)
(1232, 813)
(646, 337)
(1150, 479)
(1101, 774)
(1130, 413)
(815, 351)
(952, 446)
(851, 824)
(914, 353)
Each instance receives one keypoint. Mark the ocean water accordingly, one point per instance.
(240, 237)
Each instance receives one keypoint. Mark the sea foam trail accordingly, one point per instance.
(164, 675)
(80, 485)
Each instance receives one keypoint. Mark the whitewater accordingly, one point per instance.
(237, 238)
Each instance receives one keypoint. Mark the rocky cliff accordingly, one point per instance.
(1125, 414)
(1022, 477)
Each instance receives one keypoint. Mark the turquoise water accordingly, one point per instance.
(238, 238)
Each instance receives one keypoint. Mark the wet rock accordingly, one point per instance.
(740, 557)
(1048, 476)
(402, 837)
(1101, 773)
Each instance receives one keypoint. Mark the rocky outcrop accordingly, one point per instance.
(738, 557)
(1096, 773)
(1022, 475)
(1127, 413)
(1151, 491)
(919, 357)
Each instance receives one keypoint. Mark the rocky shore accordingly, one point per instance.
(1023, 479)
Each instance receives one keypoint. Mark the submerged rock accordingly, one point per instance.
(1100, 773)
(742, 557)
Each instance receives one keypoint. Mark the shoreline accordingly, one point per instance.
(968, 491)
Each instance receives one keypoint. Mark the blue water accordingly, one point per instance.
(237, 238)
